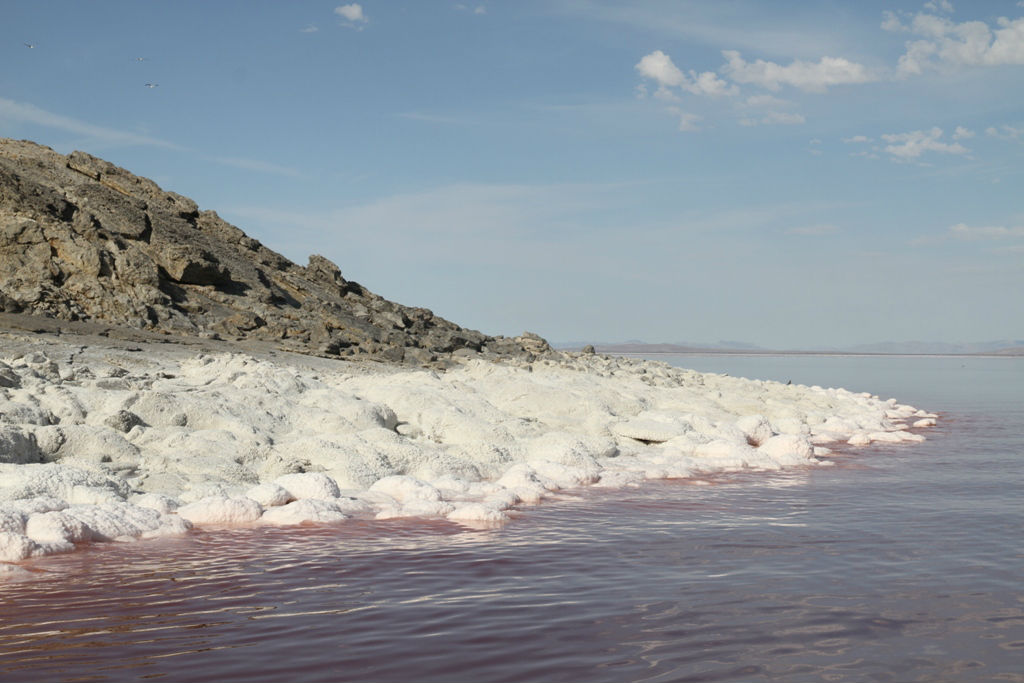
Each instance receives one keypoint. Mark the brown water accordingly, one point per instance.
(902, 563)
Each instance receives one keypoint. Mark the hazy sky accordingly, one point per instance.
(790, 174)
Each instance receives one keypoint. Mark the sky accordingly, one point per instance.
(788, 174)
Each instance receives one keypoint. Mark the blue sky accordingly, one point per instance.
(790, 174)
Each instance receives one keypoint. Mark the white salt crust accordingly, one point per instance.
(229, 440)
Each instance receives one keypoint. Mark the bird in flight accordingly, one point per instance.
(152, 85)
(140, 59)
(29, 45)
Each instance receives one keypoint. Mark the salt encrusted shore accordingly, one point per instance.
(151, 382)
(119, 442)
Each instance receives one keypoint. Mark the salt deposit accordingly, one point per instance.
(107, 445)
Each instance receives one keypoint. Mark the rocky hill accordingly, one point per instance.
(84, 240)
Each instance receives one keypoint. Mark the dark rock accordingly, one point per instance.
(191, 265)
(533, 344)
(394, 354)
(417, 356)
(17, 447)
(123, 421)
(324, 271)
(8, 378)
(240, 323)
(116, 214)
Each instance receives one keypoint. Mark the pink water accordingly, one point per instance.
(899, 564)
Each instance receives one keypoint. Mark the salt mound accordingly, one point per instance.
(123, 521)
(155, 501)
(221, 511)
(12, 521)
(787, 449)
(14, 547)
(306, 510)
(57, 527)
(651, 431)
(139, 447)
(269, 494)
(406, 489)
(309, 485)
(477, 512)
(756, 428)
(62, 481)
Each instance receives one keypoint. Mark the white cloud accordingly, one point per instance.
(774, 118)
(969, 43)
(663, 93)
(783, 118)
(353, 13)
(28, 113)
(939, 6)
(967, 232)
(814, 230)
(812, 76)
(1005, 132)
(687, 121)
(479, 9)
(708, 83)
(857, 139)
(962, 133)
(658, 66)
(767, 101)
(771, 112)
(891, 22)
(912, 145)
(309, 29)
(815, 141)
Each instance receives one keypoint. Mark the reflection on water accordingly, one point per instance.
(897, 564)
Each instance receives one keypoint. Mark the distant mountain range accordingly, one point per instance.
(1006, 347)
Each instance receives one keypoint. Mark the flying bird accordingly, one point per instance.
(140, 59)
(152, 85)
(29, 45)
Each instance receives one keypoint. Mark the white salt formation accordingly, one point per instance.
(109, 445)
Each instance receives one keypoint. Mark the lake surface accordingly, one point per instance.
(901, 563)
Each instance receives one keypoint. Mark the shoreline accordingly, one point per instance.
(110, 439)
(827, 354)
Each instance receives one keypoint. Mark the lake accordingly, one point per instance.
(900, 563)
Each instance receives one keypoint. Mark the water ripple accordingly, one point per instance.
(897, 565)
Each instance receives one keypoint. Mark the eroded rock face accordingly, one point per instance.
(82, 239)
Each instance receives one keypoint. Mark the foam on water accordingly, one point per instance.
(123, 448)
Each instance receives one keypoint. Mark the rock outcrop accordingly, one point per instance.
(84, 240)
